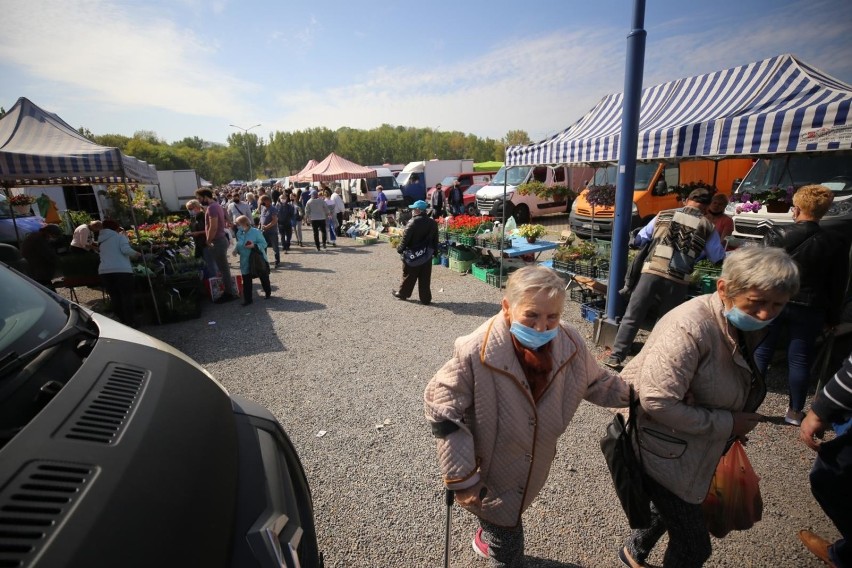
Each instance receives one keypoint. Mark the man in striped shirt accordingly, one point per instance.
(831, 477)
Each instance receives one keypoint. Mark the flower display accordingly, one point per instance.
(747, 202)
(601, 195)
(162, 235)
(142, 204)
(22, 200)
(466, 224)
(531, 231)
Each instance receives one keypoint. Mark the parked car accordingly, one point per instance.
(116, 449)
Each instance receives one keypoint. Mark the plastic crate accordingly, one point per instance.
(496, 279)
(586, 267)
(584, 295)
(715, 271)
(564, 266)
(592, 311)
(366, 240)
(481, 272)
(461, 253)
(436, 260)
(707, 284)
(603, 248)
(488, 243)
(603, 270)
(461, 266)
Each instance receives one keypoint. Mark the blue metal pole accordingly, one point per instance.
(626, 158)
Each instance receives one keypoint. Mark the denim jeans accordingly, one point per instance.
(804, 325)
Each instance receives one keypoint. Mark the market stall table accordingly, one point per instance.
(520, 247)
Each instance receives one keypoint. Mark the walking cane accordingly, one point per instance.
(448, 498)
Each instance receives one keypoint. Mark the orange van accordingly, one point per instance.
(655, 190)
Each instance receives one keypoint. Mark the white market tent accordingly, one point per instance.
(778, 105)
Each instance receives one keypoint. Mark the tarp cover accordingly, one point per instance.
(38, 147)
(777, 105)
(333, 167)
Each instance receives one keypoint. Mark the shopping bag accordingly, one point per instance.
(733, 502)
(214, 287)
(625, 467)
(238, 284)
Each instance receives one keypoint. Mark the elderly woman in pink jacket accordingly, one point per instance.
(521, 374)
(699, 389)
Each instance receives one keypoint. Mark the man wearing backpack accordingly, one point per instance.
(822, 257)
(679, 238)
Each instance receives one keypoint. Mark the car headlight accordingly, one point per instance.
(574, 206)
(839, 208)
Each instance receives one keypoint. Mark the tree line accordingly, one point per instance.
(284, 153)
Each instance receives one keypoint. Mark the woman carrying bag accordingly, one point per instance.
(250, 242)
(698, 390)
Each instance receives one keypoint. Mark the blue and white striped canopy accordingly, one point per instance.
(777, 105)
(38, 147)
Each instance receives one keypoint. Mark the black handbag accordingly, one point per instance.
(258, 265)
(626, 467)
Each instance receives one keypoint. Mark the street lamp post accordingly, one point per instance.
(248, 149)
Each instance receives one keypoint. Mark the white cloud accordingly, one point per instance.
(118, 59)
(541, 84)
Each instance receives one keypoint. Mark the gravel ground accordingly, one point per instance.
(333, 351)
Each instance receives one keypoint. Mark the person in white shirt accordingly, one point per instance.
(236, 208)
(84, 238)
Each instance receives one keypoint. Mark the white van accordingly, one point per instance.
(365, 189)
(833, 170)
(529, 206)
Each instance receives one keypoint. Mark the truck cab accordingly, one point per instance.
(833, 170)
(655, 189)
(525, 207)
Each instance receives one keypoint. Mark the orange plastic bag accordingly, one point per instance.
(733, 502)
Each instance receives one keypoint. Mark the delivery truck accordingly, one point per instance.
(416, 178)
(177, 187)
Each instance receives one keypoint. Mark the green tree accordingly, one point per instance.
(86, 133)
(191, 142)
(516, 138)
(113, 141)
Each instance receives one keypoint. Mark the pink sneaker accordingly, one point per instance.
(480, 546)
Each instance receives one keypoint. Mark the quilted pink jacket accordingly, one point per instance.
(494, 436)
(692, 348)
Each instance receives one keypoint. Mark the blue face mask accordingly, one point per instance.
(741, 320)
(530, 338)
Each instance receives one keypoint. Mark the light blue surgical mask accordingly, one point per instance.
(741, 320)
(530, 338)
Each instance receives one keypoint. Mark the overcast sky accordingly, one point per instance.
(193, 67)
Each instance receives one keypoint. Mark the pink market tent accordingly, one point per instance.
(301, 175)
(333, 167)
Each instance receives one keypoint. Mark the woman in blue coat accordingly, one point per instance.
(248, 239)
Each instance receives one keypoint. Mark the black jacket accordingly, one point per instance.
(823, 260)
(421, 230)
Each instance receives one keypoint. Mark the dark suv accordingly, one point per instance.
(118, 450)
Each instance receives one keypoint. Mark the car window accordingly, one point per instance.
(29, 316)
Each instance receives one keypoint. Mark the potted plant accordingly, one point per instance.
(600, 196)
(22, 203)
(531, 232)
(776, 200)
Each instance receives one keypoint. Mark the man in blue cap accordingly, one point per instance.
(419, 244)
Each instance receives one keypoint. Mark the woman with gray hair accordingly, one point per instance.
(500, 404)
(704, 348)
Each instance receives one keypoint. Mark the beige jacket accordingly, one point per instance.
(505, 442)
(692, 348)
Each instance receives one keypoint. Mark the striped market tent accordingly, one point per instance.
(778, 105)
(39, 148)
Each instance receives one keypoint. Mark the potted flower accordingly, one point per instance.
(531, 232)
(22, 203)
(776, 199)
(600, 196)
